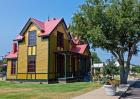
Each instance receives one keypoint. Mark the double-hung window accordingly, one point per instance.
(31, 51)
(31, 63)
(32, 38)
(60, 39)
(13, 67)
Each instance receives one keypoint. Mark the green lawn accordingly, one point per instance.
(11, 90)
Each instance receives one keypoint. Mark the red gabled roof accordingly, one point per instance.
(11, 55)
(18, 38)
(50, 25)
(46, 27)
(75, 41)
(38, 23)
(79, 48)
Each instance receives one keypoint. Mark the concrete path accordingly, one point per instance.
(96, 94)
(133, 92)
(100, 93)
(2, 78)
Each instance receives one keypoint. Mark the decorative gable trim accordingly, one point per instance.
(46, 27)
(29, 22)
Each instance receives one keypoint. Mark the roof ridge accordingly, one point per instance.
(36, 20)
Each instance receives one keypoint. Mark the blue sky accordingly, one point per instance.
(15, 13)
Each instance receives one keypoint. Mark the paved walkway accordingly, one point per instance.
(2, 78)
(133, 92)
(100, 93)
(96, 94)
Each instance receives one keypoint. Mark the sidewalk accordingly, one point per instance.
(2, 78)
(100, 93)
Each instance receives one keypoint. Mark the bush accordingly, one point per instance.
(110, 69)
(135, 69)
(109, 81)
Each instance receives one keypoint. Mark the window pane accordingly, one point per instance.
(31, 63)
(32, 38)
(60, 39)
(13, 66)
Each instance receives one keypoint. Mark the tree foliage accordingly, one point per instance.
(135, 69)
(110, 69)
(95, 57)
(113, 26)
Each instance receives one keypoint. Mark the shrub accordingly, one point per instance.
(110, 69)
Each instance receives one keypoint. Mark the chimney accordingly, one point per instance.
(14, 47)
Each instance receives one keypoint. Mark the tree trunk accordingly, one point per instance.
(124, 76)
(124, 71)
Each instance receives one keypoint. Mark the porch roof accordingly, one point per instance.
(11, 55)
(71, 53)
(80, 48)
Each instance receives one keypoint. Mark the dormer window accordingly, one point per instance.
(32, 38)
(60, 40)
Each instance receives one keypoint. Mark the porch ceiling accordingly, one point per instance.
(70, 53)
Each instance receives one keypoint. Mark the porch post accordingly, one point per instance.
(55, 65)
(65, 65)
(91, 64)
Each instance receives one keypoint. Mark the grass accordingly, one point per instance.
(138, 75)
(11, 90)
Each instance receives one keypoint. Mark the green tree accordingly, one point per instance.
(136, 69)
(113, 26)
(95, 57)
(110, 69)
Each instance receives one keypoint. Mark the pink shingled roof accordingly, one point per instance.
(11, 55)
(39, 23)
(79, 48)
(47, 26)
(19, 37)
(75, 41)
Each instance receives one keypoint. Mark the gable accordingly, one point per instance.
(53, 37)
(37, 24)
(87, 51)
(61, 28)
(31, 27)
(46, 27)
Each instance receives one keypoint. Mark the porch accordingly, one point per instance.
(70, 66)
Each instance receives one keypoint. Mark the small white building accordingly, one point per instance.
(98, 66)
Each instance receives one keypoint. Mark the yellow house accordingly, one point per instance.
(45, 51)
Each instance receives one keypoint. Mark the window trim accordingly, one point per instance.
(13, 66)
(60, 39)
(29, 38)
(31, 68)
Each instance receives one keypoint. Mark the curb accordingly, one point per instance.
(126, 90)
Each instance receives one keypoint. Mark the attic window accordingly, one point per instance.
(32, 38)
(60, 39)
